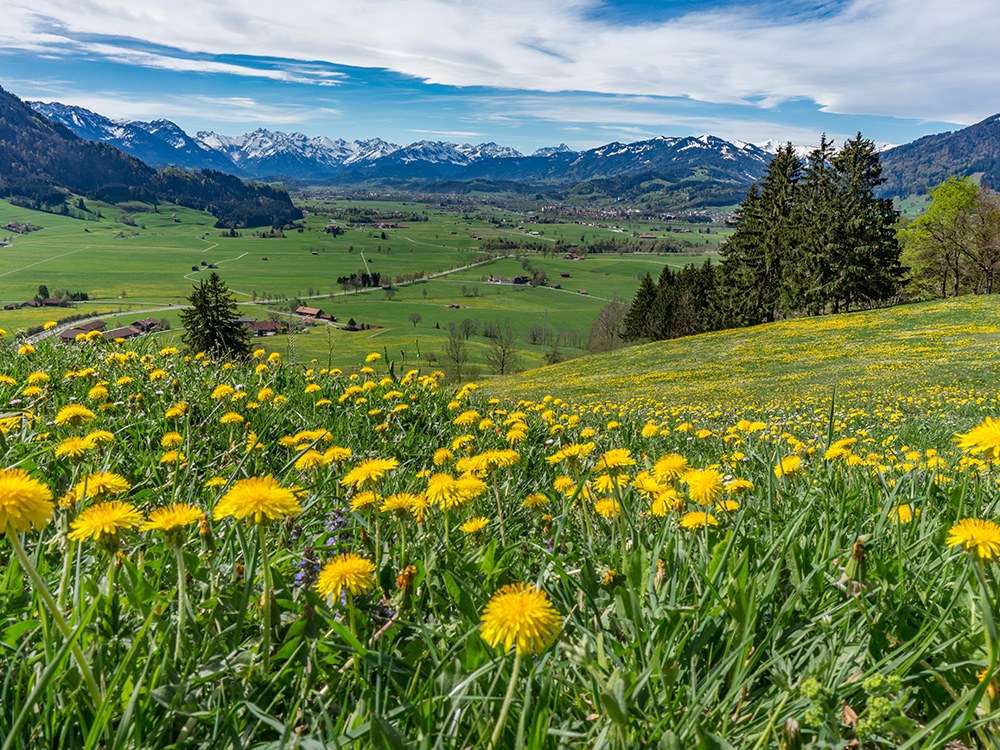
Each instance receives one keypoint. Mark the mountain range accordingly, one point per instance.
(265, 154)
(719, 168)
(48, 163)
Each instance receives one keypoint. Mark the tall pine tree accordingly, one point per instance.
(210, 323)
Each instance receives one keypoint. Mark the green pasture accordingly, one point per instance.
(145, 267)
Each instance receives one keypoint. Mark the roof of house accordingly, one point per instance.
(126, 332)
(308, 311)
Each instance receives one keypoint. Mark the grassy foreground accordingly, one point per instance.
(693, 568)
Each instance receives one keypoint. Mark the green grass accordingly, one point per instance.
(142, 267)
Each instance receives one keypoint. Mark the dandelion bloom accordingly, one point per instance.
(523, 615)
(400, 503)
(231, 417)
(666, 501)
(670, 467)
(215, 482)
(171, 439)
(365, 500)
(311, 459)
(903, 513)
(23, 501)
(727, 506)
(336, 455)
(221, 391)
(173, 517)
(104, 521)
(74, 414)
(369, 471)
(443, 490)
(705, 486)
(474, 525)
(73, 447)
(984, 437)
(347, 572)
(442, 456)
(697, 520)
(615, 460)
(258, 497)
(976, 535)
(535, 499)
(607, 508)
(26, 349)
(173, 457)
(100, 485)
(738, 486)
(789, 466)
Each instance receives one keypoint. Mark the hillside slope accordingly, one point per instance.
(913, 349)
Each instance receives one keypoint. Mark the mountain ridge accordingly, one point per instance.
(263, 154)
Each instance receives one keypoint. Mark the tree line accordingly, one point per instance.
(811, 237)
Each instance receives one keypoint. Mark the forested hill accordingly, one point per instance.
(41, 161)
(913, 167)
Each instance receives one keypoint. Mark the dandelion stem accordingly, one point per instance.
(268, 585)
(50, 603)
(496, 491)
(181, 601)
(502, 718)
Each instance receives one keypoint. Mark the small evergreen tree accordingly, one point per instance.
(210, 323)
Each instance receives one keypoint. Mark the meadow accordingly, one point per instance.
(774, 537)
(145, 270)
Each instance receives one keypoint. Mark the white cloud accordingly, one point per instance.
(905, 58)
(232, 109)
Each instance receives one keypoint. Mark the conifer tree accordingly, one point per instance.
(210, 323)
(865, 266)
(637, 324)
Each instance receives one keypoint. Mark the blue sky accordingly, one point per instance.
(524, 73)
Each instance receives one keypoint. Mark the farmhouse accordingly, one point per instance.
(264, 328)
(147, 324)
(126, 332)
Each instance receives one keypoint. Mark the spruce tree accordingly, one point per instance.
(865, 265)
(210, 323)
(637, 324)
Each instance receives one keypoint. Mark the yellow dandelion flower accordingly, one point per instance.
(607, 508)
(697, 520)
(74, 414)
(369, 471)
(704, 486)
(257, 498)
(311, 459)
(105, 521)
(347, 572)
(173, 457)
(670, 467)
(171, 439)
(221, 391)
(976, 535)
(613, 461)
(172, 520)
(365, 500)
(215, 482)
(789, 467)
(101, 484)
(520, 615)
(535, 499)
(231, 417)
(73, 447)
(337, 455)
(666, 501)
(24, 501)
(474, 525)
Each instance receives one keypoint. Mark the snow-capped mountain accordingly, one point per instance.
(158, 143)
(562, 148)
(264, 153)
